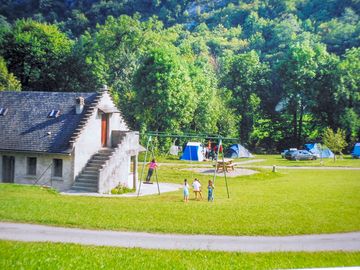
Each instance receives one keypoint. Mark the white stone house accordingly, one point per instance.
(71, 141)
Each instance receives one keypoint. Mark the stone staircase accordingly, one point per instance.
(88, 179)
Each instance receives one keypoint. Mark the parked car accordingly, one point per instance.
(299, 155)
(285, 151)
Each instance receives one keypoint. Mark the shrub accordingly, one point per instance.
(121, 189)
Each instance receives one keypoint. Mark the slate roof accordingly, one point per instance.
(26, 125)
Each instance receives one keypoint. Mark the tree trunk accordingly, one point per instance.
(295, 125)
(300, 123)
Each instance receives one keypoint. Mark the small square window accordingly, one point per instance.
(3, 111)
(57, 167)
(31, 165)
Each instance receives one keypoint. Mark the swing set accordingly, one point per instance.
(150, 153)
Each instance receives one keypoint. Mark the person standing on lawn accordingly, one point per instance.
(197, 188)
(210, 191)
(186, 191)
(152, 167)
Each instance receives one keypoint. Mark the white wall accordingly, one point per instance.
(89, 141)
(42, 163)
(117, 168)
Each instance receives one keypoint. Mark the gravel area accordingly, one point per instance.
(234, 173)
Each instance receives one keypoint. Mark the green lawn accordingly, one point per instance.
(270, 160)
(293, 202)
(17, 255)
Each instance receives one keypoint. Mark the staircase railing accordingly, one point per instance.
(43, 173)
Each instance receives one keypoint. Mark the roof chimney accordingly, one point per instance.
(80, 102)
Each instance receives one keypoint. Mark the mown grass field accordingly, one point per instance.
(286, 203)
(17, 255)
(269, 160)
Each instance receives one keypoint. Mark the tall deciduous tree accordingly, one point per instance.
(247, 77)
(348, 97)
(298, 72)
(36, 53)
(164, 98)
(335, 141)
(8, 81)
(115, 52)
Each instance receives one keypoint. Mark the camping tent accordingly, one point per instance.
(356, 151)
(174, 150)
(237, 151)
(193, 151)
(321, 151)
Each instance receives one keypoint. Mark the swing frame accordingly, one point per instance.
(152, 134)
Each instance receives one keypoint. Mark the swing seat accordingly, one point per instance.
(149, 183)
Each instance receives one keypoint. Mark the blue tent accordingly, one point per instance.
(237, 151)
(193, 151)
(356, 151)
(321, 151)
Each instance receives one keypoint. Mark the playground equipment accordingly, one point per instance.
(150, 148)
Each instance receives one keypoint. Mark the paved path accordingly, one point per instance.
(306, 168)
(40, 233)
(250, 163)
(146, 189)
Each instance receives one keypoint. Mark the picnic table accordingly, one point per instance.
(227, 163)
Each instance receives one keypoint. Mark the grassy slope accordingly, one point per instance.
(16, 255)
(294, 202)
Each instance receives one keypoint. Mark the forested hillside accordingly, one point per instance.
(275, 73)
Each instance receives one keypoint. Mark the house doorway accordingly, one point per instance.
(8, 169)
(104, 129)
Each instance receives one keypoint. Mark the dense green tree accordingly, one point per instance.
(325, 107)
(115, 52)
(213, 113)
(336, 141)
(76, 24)
(350, 121)
(8, 81)
(204, 82)
(298, 71)
(277, 72)
(349, 69)
(348, 98)
(5, 27)
(164, 98)
(36, 53)
(247, 78)
(341, 33)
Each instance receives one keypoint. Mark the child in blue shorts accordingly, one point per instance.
(210, 191)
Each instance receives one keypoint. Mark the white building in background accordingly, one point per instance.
(71, 141)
